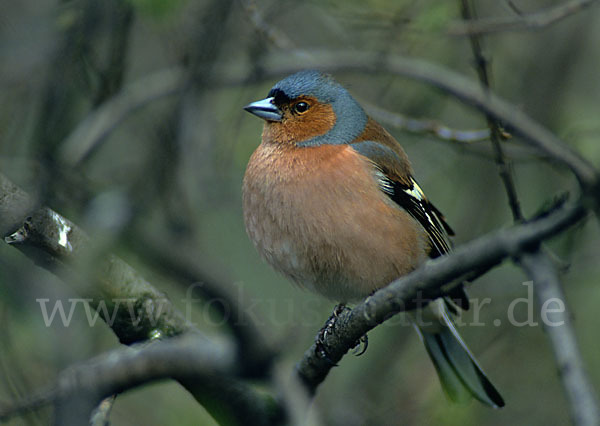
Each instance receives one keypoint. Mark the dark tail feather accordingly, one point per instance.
(459, 373)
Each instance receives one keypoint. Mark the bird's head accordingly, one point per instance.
(309, 108)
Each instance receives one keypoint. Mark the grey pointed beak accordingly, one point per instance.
(265, 109)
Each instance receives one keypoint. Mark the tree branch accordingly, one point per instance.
(504, 168)
(111, 75)
(101, 122)
(89, 133)
(53, 242)
(468, 140)
(57, 244)
(187, 359)
(538, 265)
(273, 35)
(458, 86)
(15, 205)
(580, 393)
(256, 354)
(532, 21)
(427, 282)
(421, 126)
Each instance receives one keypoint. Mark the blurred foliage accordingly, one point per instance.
(173, 169)
(158, 9)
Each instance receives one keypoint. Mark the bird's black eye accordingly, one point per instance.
(301, 107)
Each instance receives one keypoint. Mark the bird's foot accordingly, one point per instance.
(326, 330)
(361, 345)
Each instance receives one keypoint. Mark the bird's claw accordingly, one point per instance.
(361, 345)
(325, 331)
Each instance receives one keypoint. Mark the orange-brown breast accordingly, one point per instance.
(316, 215)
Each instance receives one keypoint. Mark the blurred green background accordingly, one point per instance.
(171, 171)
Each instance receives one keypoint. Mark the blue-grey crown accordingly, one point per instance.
(350, 117)
(312, 83)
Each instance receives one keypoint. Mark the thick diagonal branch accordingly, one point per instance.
(427, 282)
(60, 246)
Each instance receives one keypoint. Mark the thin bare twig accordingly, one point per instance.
(111, 75)
(525, 22)
(504, 168)
(512, 7)
(424, 126)
(469, 141)
(277, 38)
(87, 136)
(98, 125)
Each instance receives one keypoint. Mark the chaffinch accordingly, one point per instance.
(330, 201)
